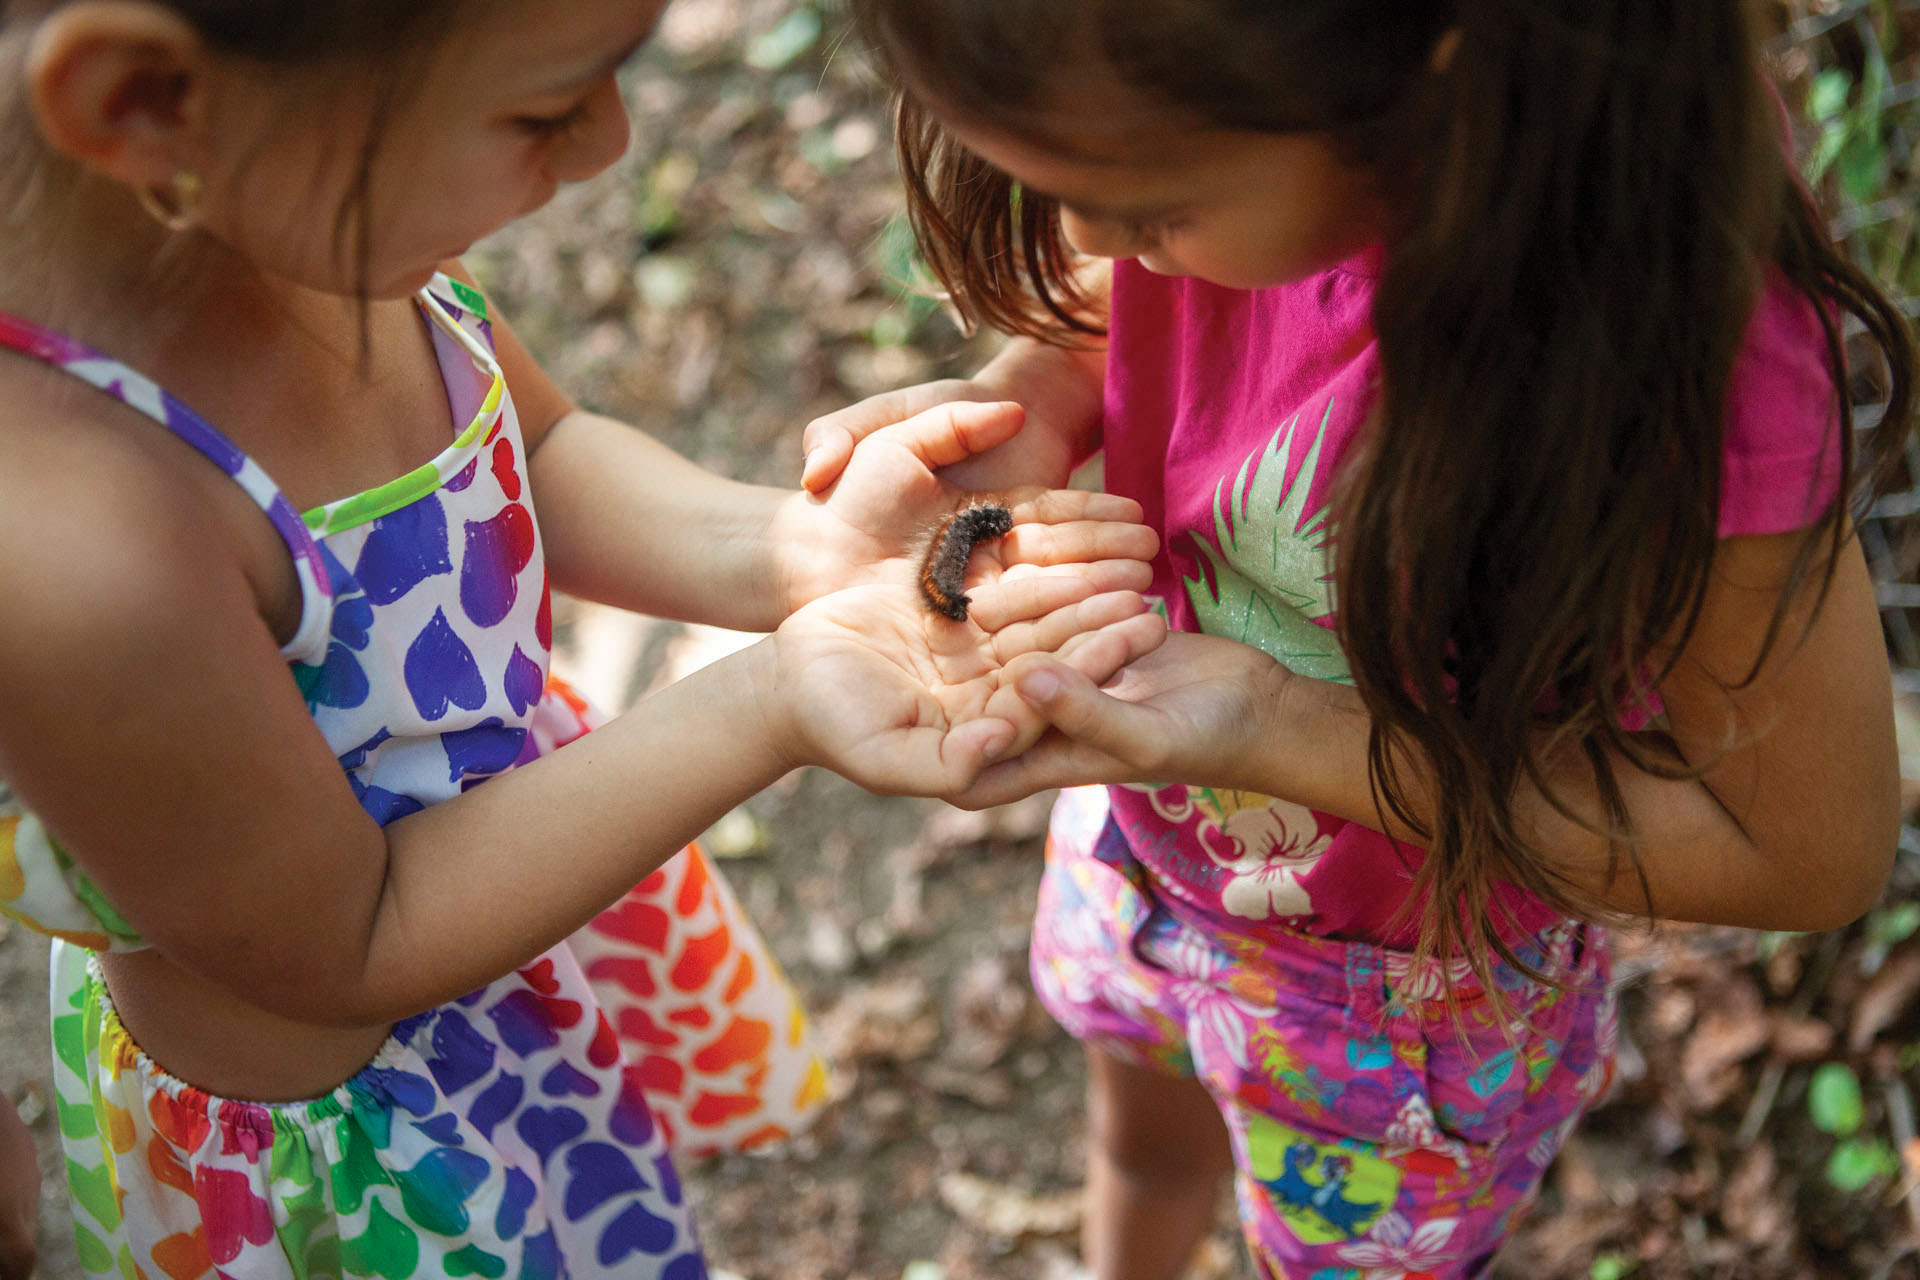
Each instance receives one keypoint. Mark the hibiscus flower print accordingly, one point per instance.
(1209, 987)
(1396, 1250)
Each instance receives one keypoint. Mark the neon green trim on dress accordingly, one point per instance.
(370, 504)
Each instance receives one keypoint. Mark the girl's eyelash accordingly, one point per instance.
(552, 126)
(1141, 228)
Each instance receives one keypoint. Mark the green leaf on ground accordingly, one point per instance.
(1855, 1163)
(1833, 1099)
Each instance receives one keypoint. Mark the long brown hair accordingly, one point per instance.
(1586, 201)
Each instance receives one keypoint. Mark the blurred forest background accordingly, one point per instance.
(747, 268)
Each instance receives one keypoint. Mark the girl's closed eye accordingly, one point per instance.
(1157, 227)
(1133, 227)
(544, 127)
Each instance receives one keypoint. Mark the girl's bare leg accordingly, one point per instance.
(1157, 1152)
(19, 1195)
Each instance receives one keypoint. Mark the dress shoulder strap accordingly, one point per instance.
(138, 392)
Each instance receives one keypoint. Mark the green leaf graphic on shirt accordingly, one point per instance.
(1271, 572)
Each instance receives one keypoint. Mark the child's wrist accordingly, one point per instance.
(770, 714)
(791, 561)
(1277, 724)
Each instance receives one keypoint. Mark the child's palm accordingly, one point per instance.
(872, 523)
(899, 700)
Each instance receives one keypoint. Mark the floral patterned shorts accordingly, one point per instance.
(1373, 1135)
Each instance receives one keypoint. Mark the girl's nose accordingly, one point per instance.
(600, 139)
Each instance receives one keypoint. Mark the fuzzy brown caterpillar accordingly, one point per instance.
(943, 574)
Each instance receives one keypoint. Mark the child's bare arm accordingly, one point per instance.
(1792, 824)
(148, 718)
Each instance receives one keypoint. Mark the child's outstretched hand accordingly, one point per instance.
(1198, 709)
(871, 524)
(830, 441)
(898, 700)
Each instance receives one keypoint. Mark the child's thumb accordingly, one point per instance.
(826, 457)
(1071, 703)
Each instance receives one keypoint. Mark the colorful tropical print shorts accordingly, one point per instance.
(1374, 1135)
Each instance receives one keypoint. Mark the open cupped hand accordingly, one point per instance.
(1193, 710)
(872, 525)
(900, 700)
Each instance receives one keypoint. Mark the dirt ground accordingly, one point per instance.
(737, 275)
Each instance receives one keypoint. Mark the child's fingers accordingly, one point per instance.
(1056, 628)
(1033, 505)
(955, 431)
(1007, 600)
(1095, 654)
(1074, 705)
(1075, 541)
(828, 441)
(828, 448)
(1026, 592)
(1053, 761)
(967, 749)
(1102, 654)
(930, 759)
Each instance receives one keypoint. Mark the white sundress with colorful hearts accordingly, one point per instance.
(522, 1131)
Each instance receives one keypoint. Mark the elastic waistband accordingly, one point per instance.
(1375, 981)
(119, 1052)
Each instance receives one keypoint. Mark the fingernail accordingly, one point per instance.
(998, 744)
(1039, 686)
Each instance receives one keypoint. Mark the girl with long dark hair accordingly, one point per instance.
(1482, 367)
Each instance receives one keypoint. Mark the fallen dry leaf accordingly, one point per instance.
(1884, 998)
(1734, 1028)
(881, 1021)
(989, 1006)
(1748, 1204)
(1000, 1210)
(1800, 1039)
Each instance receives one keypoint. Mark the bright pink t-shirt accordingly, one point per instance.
(1228, 413)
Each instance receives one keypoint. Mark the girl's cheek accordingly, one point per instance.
(1094, 239)
(1161, 265)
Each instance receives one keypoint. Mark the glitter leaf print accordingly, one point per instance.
(1270, 572)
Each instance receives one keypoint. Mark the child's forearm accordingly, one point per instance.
(1702, 861)
(628, 522)
(478, 886)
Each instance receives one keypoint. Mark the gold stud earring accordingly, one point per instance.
(174, 206)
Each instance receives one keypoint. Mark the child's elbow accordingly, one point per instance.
(1848, 877)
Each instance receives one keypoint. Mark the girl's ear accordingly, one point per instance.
(121, 87)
